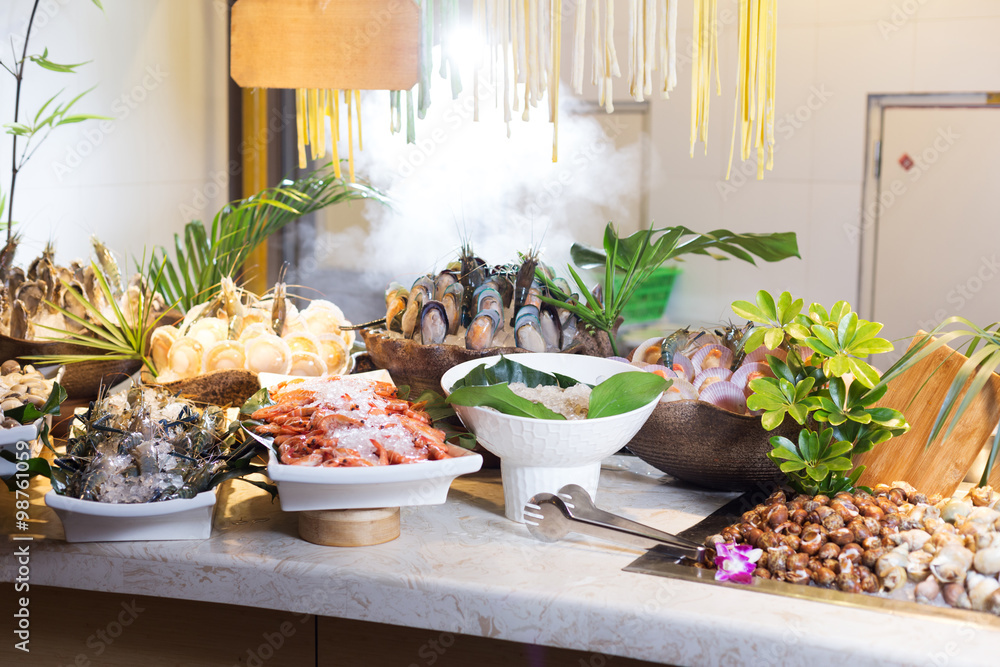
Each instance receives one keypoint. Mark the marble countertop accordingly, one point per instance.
(463, 567)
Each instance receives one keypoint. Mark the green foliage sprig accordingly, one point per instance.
(202, 257)
(641, 253)
(812, 386)
(41, 125)
(978, 369)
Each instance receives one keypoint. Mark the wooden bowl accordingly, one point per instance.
(703, 444)
(421, 366)
(84, 380)
(226, 388)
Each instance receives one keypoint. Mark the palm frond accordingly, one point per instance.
(204, 256)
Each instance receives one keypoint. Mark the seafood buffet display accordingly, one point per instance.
(946, 549)
(146, 445)
(705, 365)
(42, 301)
(239, 330)
(476, 306)
(347, 422)
(20, 386)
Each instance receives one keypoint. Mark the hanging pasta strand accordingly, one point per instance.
(755, 88)
(668, 49)
(649, 45)
(300, 125)
(350, 137)
(554, 78)
(611, 68)
(333, 111)
(579, 45)
(705, 55)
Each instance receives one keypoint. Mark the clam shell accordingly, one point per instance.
(268, 354)
(185, 357)
(254, 317)
(726, 395)
(208, 331)
(742, 376)
(308, 364)
(710, 376)
(224, 355)
(712, 356)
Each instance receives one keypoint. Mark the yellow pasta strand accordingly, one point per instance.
(357, 110)
(350, 137)
(333, 111)
(300, 126)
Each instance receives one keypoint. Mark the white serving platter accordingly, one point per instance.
(305, 488)
(91, 521)
(9, 437)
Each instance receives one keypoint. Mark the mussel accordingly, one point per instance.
(482, 329)
(452, 302)
(433, 323)
(528, 330)
(551, 327)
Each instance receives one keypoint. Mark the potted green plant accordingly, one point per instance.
(824, 384)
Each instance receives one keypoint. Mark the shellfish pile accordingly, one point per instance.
(238, 330)
(477, 306)
(947, 548)
(30, 299)
(704, 365)
(19, 386)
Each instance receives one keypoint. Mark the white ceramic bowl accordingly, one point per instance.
(91, 521)
(543, 455)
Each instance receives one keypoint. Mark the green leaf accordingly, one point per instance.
(755, 339)
(766, 304)
(43, 61)
(773, 338)
(846, 329)
(818, 313)
(791, 466)
(748, 311)
(78, 118)
(818, 473)
(508, 371)
(798, 413)
(838, 365)
(501, 398)
(261, 399)
(625, 392)
(772, 420)
(839, 310)
(863, 372)
(18, 129)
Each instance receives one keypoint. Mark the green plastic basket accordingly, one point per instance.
(649, 301)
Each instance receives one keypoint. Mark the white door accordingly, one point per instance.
(937, 241)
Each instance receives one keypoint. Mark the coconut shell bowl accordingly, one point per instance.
(704, 444)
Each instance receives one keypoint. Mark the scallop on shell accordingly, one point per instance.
(712, 356)
(322, 317)
(648, 352)
(208, 331)
(679, 390)
(307, 363)
(268, 354)
(725, 395)
(254, 330)
(185, 357)
(302, 341)
(334, 353)
(710, 376)
(224, 355)
(159, 345)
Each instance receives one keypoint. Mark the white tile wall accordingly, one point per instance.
(846, 50)
(159, 67)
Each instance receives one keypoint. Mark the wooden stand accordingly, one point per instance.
(349, 528)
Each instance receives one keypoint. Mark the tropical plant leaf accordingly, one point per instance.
(625, 392)
(501, 398)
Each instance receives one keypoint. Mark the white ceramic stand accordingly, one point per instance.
(520, 483)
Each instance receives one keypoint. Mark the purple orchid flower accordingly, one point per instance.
(735, 562)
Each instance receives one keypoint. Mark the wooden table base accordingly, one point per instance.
(349, 528)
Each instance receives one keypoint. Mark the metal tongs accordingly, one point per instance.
(550, 517)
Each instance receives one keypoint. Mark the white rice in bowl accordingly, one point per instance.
(570, 402)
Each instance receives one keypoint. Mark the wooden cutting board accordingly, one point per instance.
(343, 44)
(942, 466)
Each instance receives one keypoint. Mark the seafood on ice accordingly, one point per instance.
(477, 306)
(347, 422)
(144, 445)
(705, 365)
(34, 302)
(238, 330)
